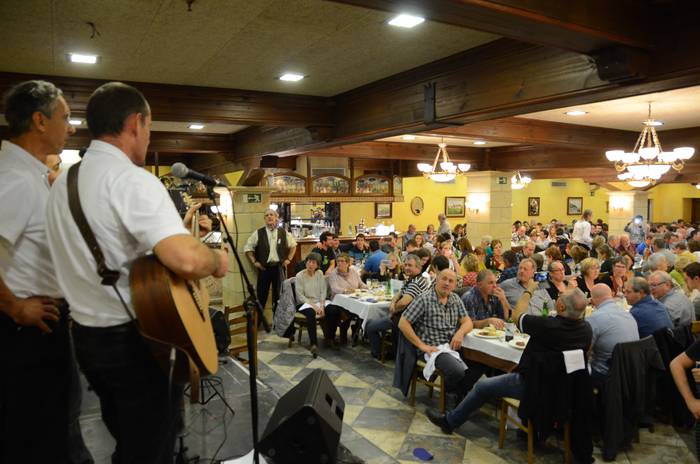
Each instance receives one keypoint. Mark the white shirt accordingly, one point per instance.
(272, 241)
(582, 233)
(25, 262)
(129, 212)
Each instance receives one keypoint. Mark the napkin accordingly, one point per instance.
(573, 359)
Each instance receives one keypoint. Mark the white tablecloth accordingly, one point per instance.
(364, 309)
(493, 347)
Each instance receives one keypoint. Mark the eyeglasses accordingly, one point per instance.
(657, 285)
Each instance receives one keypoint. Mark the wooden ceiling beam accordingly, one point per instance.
(536, 132)
(398, 151)
(201, 104)
(578, 25)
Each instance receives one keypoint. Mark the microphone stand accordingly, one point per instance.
(252, 304)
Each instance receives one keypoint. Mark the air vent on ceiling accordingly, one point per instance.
(558, 183)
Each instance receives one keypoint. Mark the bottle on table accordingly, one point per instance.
(545, 309)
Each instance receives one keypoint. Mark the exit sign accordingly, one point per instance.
(502, 180)
(253, 198)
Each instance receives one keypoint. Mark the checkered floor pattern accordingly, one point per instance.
(380, 427)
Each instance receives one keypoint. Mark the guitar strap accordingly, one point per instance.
(109, 276)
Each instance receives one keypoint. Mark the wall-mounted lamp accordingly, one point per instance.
(476, 203)
(619, 204)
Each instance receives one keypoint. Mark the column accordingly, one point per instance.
(489, 204)
(623, 206)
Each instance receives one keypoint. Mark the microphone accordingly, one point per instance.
(183, 172)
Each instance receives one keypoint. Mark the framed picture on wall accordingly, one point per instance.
(533, 206)
(574, 206)
(454, 206)
(382, 210)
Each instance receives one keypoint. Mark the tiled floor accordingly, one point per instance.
(380, 427)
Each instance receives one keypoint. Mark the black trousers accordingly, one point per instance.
(133, 392)
(270, 276)
(34, 392)
(332, 319)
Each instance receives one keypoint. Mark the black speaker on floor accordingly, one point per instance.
(306, 424)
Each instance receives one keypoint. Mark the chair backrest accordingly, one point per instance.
(695, 328)
(237, 324)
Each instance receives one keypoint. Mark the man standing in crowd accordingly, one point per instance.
(445, 226)
(34, 341)
(131, 214)
(413, 287)
(611, 325)
(435, 318)
(270, 249)
(650, 314)
(325, 249)
(582, 230)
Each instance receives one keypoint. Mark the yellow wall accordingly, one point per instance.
(553, 200)
(432, 193)
(672, 202)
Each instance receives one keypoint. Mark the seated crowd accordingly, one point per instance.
(568, 288)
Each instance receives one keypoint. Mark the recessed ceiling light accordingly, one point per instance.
(80, 58)
(407, 21)
(479, 142)
(654, 123)
(408, 137)
(291, 77)
(576, 113)
(75, 122)
(196, 126)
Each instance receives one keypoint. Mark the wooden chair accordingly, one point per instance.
(237, 320)
(505, 419)
(439, 382)
(386, 344)
(695, 328)
(300, 324)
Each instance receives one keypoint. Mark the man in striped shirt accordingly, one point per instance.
(413, 287)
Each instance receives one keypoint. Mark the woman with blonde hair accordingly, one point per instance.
(390, 268)
(590, 270)
(470, 268)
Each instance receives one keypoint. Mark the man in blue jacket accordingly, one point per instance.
(651, 315)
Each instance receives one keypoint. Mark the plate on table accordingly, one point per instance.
(518, 344)
(485, 334)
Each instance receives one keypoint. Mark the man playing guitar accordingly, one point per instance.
(130, 214)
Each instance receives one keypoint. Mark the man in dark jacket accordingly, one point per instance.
(566, 331)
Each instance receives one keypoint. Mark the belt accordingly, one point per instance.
(272, 264)
(115, 329)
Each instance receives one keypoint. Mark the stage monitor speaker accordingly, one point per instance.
(306, 424)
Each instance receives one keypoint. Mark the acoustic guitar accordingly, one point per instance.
(174, 312)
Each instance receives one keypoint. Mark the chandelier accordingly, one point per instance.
(518, 182)
(647, 162)
(442, 169)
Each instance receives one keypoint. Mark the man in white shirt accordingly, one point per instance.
(270, 249)
(34, 343)
(444, 225)
(582, 230)
(131, 215)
